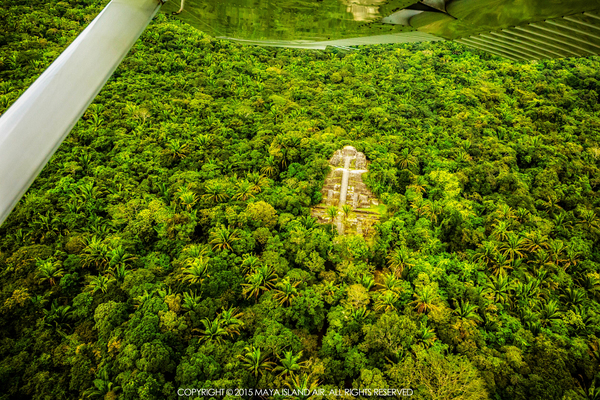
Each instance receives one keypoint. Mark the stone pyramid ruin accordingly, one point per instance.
(344, 185)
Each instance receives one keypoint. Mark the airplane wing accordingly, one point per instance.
(515, 29)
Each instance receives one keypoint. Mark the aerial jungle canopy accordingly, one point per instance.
(168, 243)
(37, 123)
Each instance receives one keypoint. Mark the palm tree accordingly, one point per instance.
(501, 265)
(419, 184)
(223, 238)
(425, 299)
(49, 270)
(583, 314)
(203, 140)
(398, 260)
(270, 168)
(346, 210)
(187, 198)
(531, 320)
(360, 314)
(244, 190)
(589, 221)
(302, 383)
(591, 392)
(424, 336)
(87, 193)
(534, 241)
(119, 273)
(498, 288)
(231, 320)
(522, 214)
(486, 253)
(191, 300)
(100, 283)
(505, 213)
(95, 121)
(46, 223)
(196, 271)
(467, 311)
(514, 247)
(527, 292)
(287, 292)
(572, 258)
(250, 262)
(591, 283)
(391, 283)
(437, 208)
(561, 223)
(258, 181)
(332, 213)
(367, 280)
(213, 331)
(95, 253)
(39, 300)
(215, 192)
(176, 149)
(289, 364)
(406, 159)
(268, 276)
(103, 387)
(262, 279)
(501, 231)
(255, 361)
(163, 190)
(309, 222)
(549, 312)
(194, 251)
(462, 157)
(573, 297)
(330, 288)
(551, 204)
(141, 299)
(119, 257)
(386, 301)
(59, 315)
(253, 285)
(542, 259)
(594, 349)
(556, 249)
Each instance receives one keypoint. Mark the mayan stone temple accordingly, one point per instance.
(344, 186)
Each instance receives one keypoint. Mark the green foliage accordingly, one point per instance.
(439, 377)
(254, 360)
(48, 270)
(108, 316)
(169, 241)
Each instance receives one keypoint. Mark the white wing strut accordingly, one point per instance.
(36, 124)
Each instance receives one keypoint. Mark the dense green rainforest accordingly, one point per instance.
(168, 243)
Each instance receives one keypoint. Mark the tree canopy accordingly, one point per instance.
(168, 243)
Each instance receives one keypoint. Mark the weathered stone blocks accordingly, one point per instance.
(344, 185)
